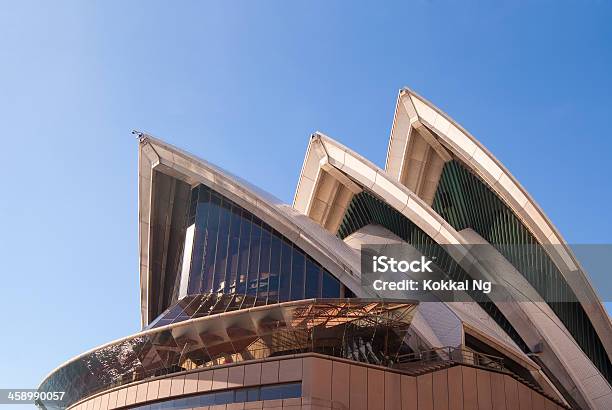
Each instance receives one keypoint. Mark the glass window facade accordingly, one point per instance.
(234, 252)
(360, 330)
(230, 251)
(271, 392)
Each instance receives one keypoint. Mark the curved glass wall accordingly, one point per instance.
(228, 250)
(236, 252)
(365, 209)
(465, 201)
(360, 330)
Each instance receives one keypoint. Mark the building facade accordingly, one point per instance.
(250, 303)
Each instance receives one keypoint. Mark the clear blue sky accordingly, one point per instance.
(243, 84)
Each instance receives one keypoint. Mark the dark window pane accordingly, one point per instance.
(284, 391)
(199, 242)
(178, 404)
(297, 275)
(346, 292)
(167, 405)
(187, 303)
(193, 306)
(243, 258)
(253, 394)
(313, 279)
(240, 396)
(193, 203)
(213, 212)
(275, 259)
(174, 311)
(222, 243)
(331, 286)
(205, 306)
(232, 253)
(264, 263)
(254, 257)
(224, 397)
(210, 246)
(291, 390)
(207, 399)
(193, 402)
(285, 274)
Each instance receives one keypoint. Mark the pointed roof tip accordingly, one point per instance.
(141, 136)
(406, 90)
(319, 134)
(409, 91)
(144, 137)
(316, 134)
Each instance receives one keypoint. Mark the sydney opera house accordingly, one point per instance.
(251, 303)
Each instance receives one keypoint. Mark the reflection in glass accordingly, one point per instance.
(234, 252)
(361, 330)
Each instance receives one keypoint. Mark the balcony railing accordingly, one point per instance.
(423, 361)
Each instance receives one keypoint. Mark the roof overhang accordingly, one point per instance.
(327, 159)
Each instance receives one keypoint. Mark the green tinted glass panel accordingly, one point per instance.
(465, 201)
(365, 209)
